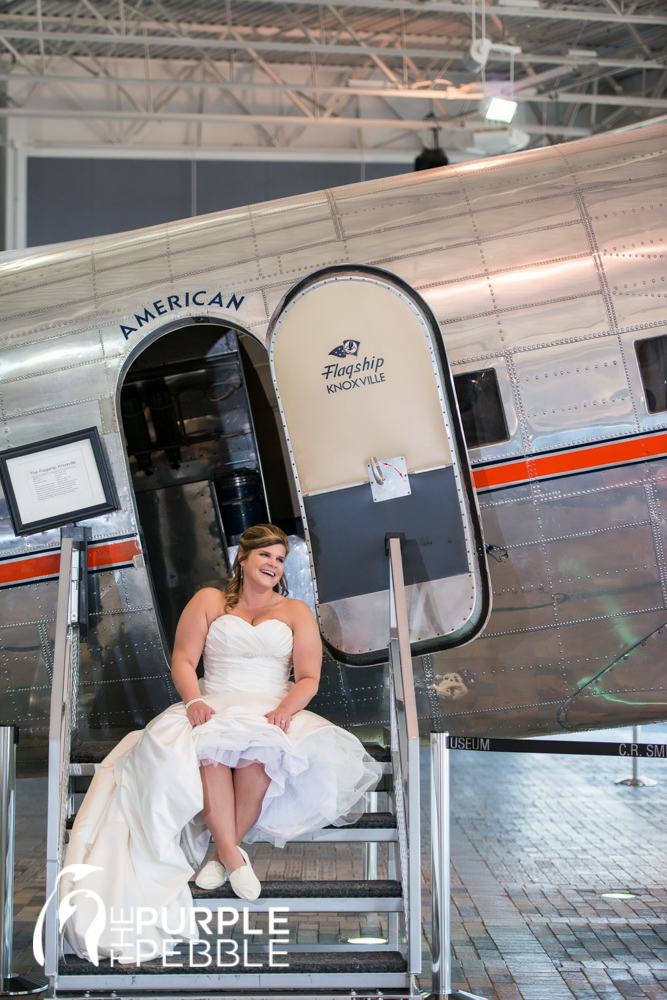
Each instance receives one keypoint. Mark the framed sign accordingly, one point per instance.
(57, 481)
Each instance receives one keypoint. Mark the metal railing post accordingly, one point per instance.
(370, 848)
(441, 940)
(636, 781)
(62, 719)
(11, 984)
(405, 760)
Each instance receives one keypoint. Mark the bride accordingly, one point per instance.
(240, 759)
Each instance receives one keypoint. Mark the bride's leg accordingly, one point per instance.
(219, 813)
(250, 785)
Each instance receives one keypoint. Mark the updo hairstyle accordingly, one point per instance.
(258, 537)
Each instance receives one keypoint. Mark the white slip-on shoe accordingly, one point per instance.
(243, 880)
(211, 876)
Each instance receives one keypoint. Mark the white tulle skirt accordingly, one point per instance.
(319, 772)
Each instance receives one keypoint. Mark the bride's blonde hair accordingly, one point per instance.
(257, 537)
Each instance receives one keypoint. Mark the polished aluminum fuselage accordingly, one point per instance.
(547, 266)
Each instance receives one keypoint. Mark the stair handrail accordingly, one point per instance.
(71, 620)
(404, 729)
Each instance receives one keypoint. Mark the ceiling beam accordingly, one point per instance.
(258, 45)
(400, 124)
(525, 95)
(461, 9)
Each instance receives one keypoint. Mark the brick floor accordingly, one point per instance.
(536, 840)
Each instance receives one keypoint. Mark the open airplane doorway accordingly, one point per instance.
(205, 454)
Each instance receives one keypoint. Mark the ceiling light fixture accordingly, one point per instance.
(500, 110)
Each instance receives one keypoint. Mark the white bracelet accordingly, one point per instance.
(192, 703)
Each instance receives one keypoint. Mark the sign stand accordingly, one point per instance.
(635, 781)
(441, 941)
(11, 983)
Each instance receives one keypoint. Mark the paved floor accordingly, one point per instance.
(536, 841)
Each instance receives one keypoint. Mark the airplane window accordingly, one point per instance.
(481, 408)
(652, 358)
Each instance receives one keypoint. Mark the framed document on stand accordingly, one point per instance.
(57, 481)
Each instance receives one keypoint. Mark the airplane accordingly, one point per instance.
(154, 352)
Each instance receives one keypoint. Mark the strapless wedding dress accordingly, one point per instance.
(140, 824)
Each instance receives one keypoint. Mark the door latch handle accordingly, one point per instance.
(378, 474)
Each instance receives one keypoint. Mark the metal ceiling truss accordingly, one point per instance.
(375, 73)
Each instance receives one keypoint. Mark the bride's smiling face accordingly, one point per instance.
(264, 567)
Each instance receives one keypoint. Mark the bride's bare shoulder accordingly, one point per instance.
(298, 612)
(209, 601)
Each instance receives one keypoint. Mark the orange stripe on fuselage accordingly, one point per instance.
(567, 462)
(37, 567)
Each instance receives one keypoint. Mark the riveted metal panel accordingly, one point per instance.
(29, 426)
(195, 262)
(45, 268)
(402, 238)
(551, 281)
(274, 235)
(512, 522)
(630, 157)
(522, 586)
(605, 573)
(628, 216)
(545, 247)
(80, 384)
(567, 318)
(434, 263)
(601, 511)
(513, 179)
(58, 354)
(400, 201)
(573, 395)
(519, 217)
(638, 285)
(467, 297)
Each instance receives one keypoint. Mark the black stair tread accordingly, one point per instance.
(94, 752)
(378, 752)
(299, 962)
(311, 889)
(368, 821)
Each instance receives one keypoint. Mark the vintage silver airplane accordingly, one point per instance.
(546, 273)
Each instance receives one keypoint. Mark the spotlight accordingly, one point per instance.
(500, 110)
(431, 158)
(434, 157)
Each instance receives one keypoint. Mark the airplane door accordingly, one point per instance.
(375, 440)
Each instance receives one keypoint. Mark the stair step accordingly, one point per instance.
(371, 827)
(383, 823)
(94, 752)
(310, 896)
(322, 961)
(316, 970)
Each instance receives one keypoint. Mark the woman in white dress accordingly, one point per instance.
(239, 759)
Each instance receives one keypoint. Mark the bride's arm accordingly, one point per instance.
(191, 634)
(307, 655)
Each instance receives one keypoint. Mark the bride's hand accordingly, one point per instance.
(199, 713)
(279, 717)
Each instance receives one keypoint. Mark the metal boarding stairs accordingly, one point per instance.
(390, 968)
